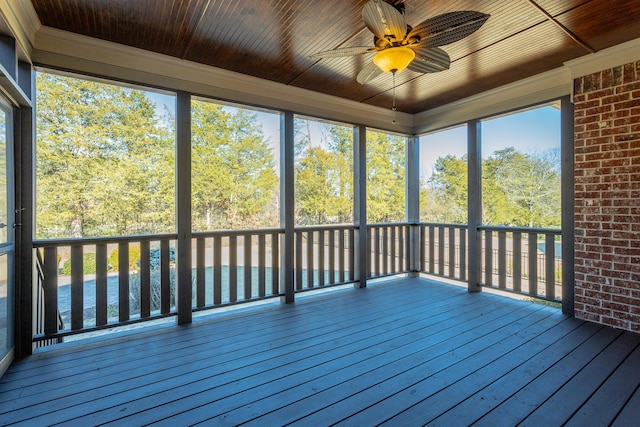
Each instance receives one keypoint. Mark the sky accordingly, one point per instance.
(529, 131)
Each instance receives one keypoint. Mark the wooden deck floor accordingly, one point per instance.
(407, 352)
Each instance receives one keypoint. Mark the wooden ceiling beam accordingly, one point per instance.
(567, 31)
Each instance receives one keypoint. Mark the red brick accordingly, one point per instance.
(585, 315)
(620, 97)
(607, 196)
(612, 321)
(586, 104)
(606, 108)
(622, 105)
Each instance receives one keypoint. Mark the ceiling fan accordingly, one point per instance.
(398, 46)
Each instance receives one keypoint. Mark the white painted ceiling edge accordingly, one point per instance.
(62, 49)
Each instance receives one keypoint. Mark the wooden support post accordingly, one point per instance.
(287, 207)
(567, 204)
(413, 201)
(24, 283)
(474, 204)
(184, 291)
(361, 249)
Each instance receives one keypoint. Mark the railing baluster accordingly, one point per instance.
(502, 259)
(310, 259)
(50, 290)
(377, 251)
(200, 272)
(321, 258)
(275, 264)
(77, 287)
(217, 270)
(165, 277)
(488, 258)
(463, 253)
(393, 268)
(342, 255)
(550, 255)
(262, 247)
(385, 250)
(432, 250)
(233, 268)
(332, 256)
(248, 266)
(351, 235)
(408, 249)
(402, 265)
(517, 261)
(123, 281)
(452, 252)
(298, 262)
(423, 249)
(145, 279)
(533, 264)
(101, 284)
(441, 250)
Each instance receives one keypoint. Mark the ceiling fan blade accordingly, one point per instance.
(447, 28)
(344, 51)
(430, 60)
(368, 73)
(384, 20)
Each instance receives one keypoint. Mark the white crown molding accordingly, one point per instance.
(615, 56)
(62, 49)
(533, 90)
(23, 23)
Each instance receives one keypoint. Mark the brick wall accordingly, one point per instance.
(607, 187)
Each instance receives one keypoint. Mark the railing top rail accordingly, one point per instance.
(325, 227)
(95, 240)
(390, 224)
(250, 232)
(443, 224)
(520, 229)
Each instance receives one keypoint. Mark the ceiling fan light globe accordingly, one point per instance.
(394, 59)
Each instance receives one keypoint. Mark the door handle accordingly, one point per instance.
(2, 225)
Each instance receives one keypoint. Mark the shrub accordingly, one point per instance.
(88, 267)
(134, 258)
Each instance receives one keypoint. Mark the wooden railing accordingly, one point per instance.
(515, 259)
(235, 266)
(90, 284)
(522, 260)
(443, 250)
(102, 288)
(324, 256)
(390, 249)
(38, 324)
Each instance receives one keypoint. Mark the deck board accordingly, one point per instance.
(406, 352)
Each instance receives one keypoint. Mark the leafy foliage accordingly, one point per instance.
(134, 258)
(324, 174)
(104, 163)
(385, 177)
(518, 189)
(88, 264)
(234, 184)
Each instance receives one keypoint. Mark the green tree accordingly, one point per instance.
(385, 177)
(104, 160)
(446, 190)
(324, 173)
(518, 189)
(234, 183)
(530, 184)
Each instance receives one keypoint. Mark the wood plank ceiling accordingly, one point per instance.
(272, 39)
